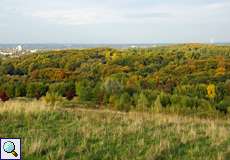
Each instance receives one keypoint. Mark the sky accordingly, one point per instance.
(114, 21)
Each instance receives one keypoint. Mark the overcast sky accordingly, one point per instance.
(114, 21)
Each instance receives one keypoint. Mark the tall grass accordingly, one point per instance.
(25, 106)
(89, 134)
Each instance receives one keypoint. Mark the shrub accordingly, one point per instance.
(98, 93)
(20, 71)
(184, 101)
(113, 99)
(224, 105)
(112, 86)
(71, 66)
(64, 89)
(142, 101)
(3, 96)
(175, 100)
(204, 105)
(157, 104)
(84, 90)
(124, 102)
(70, 95)
(10, 89)
(8, 68)
(165, 99)
(227, 87)
(20, 90)
(41, 90)
(151, 95)
(57, 88)
(36, 90)
(189, 102)
(199, 90)
(30, 90)
(52, 98)
(69, 90)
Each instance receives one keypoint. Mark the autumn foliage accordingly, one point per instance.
(192, 76)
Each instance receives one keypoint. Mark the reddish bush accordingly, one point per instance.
(70, 94)
(4, 97)
(37, 95)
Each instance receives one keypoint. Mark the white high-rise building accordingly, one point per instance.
(19, 48)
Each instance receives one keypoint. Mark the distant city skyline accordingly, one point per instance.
(114, 22)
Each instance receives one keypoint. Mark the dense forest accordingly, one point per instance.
(192, 77)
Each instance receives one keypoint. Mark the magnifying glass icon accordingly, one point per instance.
(9, 147)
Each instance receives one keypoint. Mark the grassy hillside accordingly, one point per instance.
(57, 133)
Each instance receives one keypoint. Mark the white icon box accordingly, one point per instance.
(10, 149)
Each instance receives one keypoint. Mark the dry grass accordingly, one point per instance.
(103, 134)
(17, 106)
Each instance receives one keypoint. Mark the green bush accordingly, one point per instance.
(69, 90)
(165, 99)
(124, 102)
(157, 106)
(57, 88)
(224, 105)
(184, 101)
(52, 98)
(84, 89)
(7, 68)
(112, 86)
(98, 93)
(62, 88)
(204, 105)
(20, 89)
(189, 102)
(175, 100)
(10, 89)
(142, 102)
(151, 95)
(199, 90)
(36, 90)
(227, 87)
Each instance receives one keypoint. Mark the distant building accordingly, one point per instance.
(133, 46)
(6, 53)
(19, 48)
(33, 51)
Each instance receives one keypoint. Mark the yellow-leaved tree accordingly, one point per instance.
(211, 89)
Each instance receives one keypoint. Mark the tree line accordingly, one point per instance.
(191, 76)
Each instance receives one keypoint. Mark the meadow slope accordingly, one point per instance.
(57, 133)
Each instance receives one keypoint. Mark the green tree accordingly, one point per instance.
(84, 89)
(113, 86)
